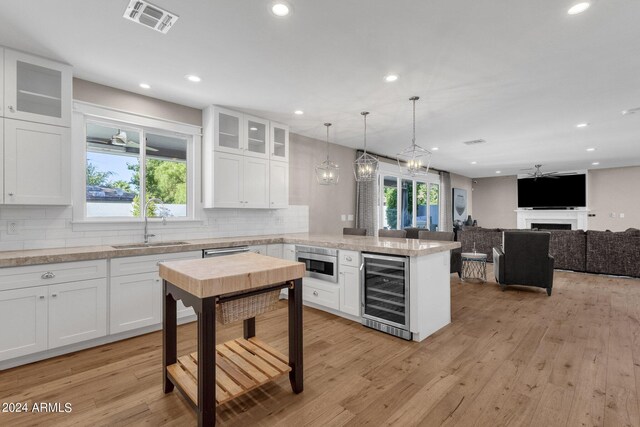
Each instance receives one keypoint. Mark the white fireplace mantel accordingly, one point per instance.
(576, 217)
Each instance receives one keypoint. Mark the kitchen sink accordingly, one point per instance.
(148, 245)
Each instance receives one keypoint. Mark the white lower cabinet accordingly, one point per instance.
(23, 322)
(77, 312)
(136, 301)
(289, 252)
(258, 249)
(275, 250)
(321, 293)
(44, 307)
(136, 291)
(350, 290)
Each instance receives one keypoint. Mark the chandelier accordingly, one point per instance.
(327, 172)
(414, 160)
(365, 168)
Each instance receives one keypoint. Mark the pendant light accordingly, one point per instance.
(414, 160)
(327, 172)
(365, 168)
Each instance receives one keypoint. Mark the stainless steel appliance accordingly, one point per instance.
(321, 263)
(208, 253)
(385, 294)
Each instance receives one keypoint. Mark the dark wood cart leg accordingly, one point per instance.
(295, 336)
(249, 328)
(207, 363)
(169, 336)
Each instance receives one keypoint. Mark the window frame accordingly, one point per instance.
(390, 170)
(90, 113)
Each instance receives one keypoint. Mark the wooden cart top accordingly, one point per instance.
(216, 276)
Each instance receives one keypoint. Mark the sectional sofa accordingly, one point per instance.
(602, 252)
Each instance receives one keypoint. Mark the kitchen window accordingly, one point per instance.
(408, 202)
(128, 164)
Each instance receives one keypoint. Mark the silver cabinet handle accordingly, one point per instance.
(348, 258)
(11, 194)
(54, 295)
(48, 275)
(41, 297)
(361, 266)
(315, 293)
(13, 110)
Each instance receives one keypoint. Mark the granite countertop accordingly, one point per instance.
(391, 246)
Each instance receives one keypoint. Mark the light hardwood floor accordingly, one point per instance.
(508, 358)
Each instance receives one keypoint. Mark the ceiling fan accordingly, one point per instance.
(119, 140)
(537, 173)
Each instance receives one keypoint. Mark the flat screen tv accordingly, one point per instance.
(568, 191)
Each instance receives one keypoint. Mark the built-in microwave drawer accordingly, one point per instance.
(350, 258)
(50, 274)
(326, 295)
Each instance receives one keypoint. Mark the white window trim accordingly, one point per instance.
(86, 111)
(388, 169)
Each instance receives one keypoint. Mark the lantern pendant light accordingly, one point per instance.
(414, 160)
(365, 168)
(327, 172)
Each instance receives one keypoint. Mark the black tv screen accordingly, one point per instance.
(569, 191)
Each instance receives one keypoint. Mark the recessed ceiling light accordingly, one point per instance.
(145, 86)
(435, 148)
(595, 163)
(391, 78)
(192, 78)
(498, 171)
(630, 111)
(280, 9)
(298, 112)
(591, 149)
(474, 162)
(582, 125)
(578, 8)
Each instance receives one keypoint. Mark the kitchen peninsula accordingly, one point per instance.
(122, 287)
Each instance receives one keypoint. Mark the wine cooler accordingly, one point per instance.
(385, 294)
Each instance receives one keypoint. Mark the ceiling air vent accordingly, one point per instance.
(475, 142)
(150, 16)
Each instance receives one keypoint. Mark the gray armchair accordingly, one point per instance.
(456, 254)
(524, 260)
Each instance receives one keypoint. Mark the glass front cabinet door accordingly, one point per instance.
(279, 142)
(228, 131)
(36, 89)
(257, 137)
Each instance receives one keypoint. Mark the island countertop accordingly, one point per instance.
(390, 246)
(209, 277)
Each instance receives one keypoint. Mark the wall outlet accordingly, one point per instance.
(621, 215)
(350, 218)
(13, 227)
(343, 217)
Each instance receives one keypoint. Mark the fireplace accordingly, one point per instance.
(550, 226)
(572, 219)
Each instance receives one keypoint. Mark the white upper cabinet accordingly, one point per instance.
(228, 130)
(279, 142)
(1, 83)
(279, 185)
(256, 137)
(245, 161)
(36, 163)
(36, 89)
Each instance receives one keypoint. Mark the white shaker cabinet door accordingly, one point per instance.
(279, 185)
(136, 302)
(350, 290)
(256, 183)
(36, 164)
(228, 181)
(77, 312)
(23, 322)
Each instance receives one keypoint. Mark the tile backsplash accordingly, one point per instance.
(36, 227)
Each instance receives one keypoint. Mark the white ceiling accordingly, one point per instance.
(519, 74)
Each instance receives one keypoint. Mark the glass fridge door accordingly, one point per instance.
(385, 290)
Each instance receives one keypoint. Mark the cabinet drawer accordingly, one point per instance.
(321, 294)
(147, 263)
(50, 274)
(350, 258)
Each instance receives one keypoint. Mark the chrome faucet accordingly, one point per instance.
(146, 222)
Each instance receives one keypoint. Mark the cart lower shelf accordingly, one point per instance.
(241, 366)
